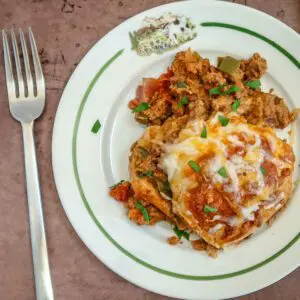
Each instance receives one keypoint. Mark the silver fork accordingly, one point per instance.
(26, 105)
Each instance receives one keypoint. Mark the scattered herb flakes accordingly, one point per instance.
(115, 185)
(181, 233)
(144, 152)
(223, 120)
(96, 127)
(145, 174)
(236, 104)
(209, 209)
(163, 186)
(204, 132)
(223, 172)
(133, 39)
(232, 89)
(141, 107)
(197, 55)
(181, 84)
(183, 101)
(216, 90)
(144, 211)
(253, 84)
(219, 90)
(194, 166)
(263, 171)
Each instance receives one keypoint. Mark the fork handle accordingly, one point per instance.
(43, 285)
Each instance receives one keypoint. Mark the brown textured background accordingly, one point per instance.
(65, 30)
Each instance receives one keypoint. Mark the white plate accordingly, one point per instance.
(86, 164)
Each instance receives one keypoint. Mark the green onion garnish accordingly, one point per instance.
(236, 104)
(194, 166)
(145, 174)
(219, 90)
(141, 107)
(133, 39)
(216, 90)
(253, 84)
(263, 170)
(181, 233)
(143, 210)
(181, 84)
(223, 172)
(204, 132)
(183, 101)
(96, 127)
(232, 89)
(209, 209)
(144, 152)
(115, 185)
(223, 120)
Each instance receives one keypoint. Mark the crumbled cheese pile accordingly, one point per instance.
(158, 35)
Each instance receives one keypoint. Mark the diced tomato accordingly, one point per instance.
(166, 76)
(121, 192)
(133, 103)
(145, 91)
(139, 93)
(265, 144)
(271, 172)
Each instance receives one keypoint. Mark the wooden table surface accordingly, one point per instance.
(65, 30)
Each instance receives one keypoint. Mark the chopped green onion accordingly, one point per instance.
(219, 90)
(115, 185)
(144, 152)
(204, 132)
(232, 89)
(133, 40)
(197, 55)
(145, 174)
(209, 209)
(163, 186)
(229, 65)
(181, 84)
(223, 120)
(253, 84)
(194, 166)
(263, 170)
(236, 104)
(141, 107)
(223, 172)
(181, 233)
(216, 90)
(183, 101)
(96, 127)
(143, 210)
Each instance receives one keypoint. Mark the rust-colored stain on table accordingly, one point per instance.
(65, 30)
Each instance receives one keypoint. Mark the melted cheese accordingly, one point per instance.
(243, 168)
(247, 212)
(216, 228)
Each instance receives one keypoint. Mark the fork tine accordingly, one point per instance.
(11, 87)
(18, 65)
(27, 64)
(40, 82)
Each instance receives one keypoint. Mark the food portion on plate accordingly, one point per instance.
(158, 35)
(209, 161)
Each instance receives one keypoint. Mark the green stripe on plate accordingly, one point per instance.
(114, 242)
(258, 35)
